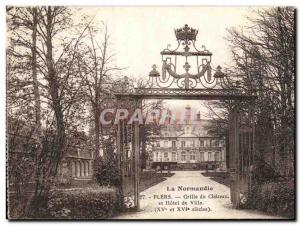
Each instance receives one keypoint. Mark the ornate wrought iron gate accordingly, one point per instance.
(241, 154)
(202, 85)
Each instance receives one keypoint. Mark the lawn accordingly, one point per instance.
(147, 180)
(220, 177)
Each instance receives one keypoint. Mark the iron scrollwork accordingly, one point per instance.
(203, 81)
(203, 78)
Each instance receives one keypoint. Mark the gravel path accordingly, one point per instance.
(210, 201)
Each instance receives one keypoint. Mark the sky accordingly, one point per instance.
(139, 34)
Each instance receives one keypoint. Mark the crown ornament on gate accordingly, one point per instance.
(186, 33)
(203, 77)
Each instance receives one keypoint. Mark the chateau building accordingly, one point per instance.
(189, 146)
(77, 164)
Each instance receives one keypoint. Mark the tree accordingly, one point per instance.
(148, 130)
(264, 55)
(41, 70)
(96, 71)
(23, 23)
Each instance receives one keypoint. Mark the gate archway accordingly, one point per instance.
(204, 84)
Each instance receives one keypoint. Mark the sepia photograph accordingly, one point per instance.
(150, 112)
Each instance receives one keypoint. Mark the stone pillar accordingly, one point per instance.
(73, 168)
(86, 168)
(77, 169)
(82, 168)
(90, 166)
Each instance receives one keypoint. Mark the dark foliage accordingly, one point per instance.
(84, 203)
(275, 198)
(109, 174)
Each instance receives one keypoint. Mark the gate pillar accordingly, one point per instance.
(234, 159)
(119, 140)
(136, 152)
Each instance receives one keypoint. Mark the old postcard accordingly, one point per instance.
(146, 113)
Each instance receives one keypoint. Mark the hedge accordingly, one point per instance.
(84, 203)
(277, 198)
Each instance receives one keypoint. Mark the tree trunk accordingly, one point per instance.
(37, 107)
(37, 100)
(97, 132)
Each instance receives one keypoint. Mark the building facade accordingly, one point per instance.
(77, 165)
(189, 146)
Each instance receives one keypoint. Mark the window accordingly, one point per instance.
(221, 143)
(192, 155)
(158, 144)
(211, 143)
(183, 144)
(206, 144)
(217, 156)
(193, 143)
(202, 143)
(202, 156)
(165, 143)
(209, 156)
(198, 143)
(173, 156)
(165, 155)
(174, 144)
(217, 143)
(183, 156)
